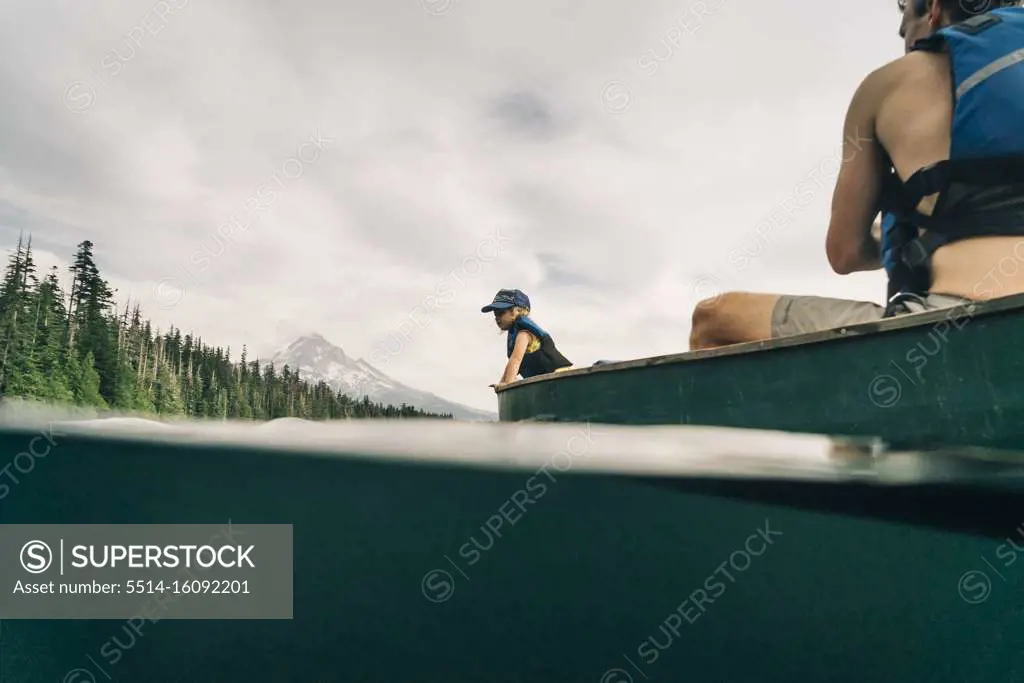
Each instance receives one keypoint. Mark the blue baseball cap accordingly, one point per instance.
(507, 298)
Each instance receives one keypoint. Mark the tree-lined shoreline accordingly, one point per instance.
(77, 348)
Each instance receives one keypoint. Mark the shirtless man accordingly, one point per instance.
(972, 247)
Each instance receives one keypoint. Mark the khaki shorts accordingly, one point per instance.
(801, 314)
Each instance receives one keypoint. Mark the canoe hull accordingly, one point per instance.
(950, 377)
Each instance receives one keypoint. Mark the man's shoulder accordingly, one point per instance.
(918, 59)
(886, 78)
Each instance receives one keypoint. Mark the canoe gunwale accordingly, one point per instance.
(1014, 302)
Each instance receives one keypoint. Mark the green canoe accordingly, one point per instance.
(504, 553)
(943, 377)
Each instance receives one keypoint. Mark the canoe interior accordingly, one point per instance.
(861, 582)
(943, 377)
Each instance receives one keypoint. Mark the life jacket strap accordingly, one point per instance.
(917, 253)
(913, 252)
(937, 177)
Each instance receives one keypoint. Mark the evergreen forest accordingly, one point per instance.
(77, 347)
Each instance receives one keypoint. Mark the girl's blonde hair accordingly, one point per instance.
(518, 312)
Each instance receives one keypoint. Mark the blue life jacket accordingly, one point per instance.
(543, 360)
(889, 254)
(982, 182)
(523, 323)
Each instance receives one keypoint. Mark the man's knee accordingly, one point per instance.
(711, 318)
(705, 309)
(722, 305)
(698, 329)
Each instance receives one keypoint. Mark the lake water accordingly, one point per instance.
(436, 551)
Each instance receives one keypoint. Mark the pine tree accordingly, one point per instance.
(168, 393)
(23, 373)
(85, 383)
(50, 340)
(90, 326)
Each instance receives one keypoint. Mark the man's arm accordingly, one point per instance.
(849, 244)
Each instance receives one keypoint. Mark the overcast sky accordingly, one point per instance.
(368, 161)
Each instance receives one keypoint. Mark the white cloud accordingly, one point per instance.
(443, 128)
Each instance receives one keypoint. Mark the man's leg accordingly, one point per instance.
(732, 318)
(738, 317)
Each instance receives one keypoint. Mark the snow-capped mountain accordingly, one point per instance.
(317, 359)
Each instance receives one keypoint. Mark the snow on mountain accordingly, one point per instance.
(317, 359)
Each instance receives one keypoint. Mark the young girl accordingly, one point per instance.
(531, 351)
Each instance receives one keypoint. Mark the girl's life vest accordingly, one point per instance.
(541, 355)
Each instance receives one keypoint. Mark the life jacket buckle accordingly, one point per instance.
(897, 304)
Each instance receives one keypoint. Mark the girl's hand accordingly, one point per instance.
(496, 386)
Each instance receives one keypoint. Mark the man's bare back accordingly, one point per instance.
(905, 112)
(913, 123)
